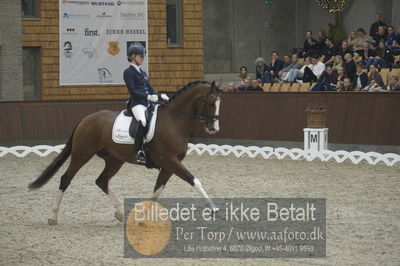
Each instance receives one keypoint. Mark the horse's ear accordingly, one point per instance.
(216, 85)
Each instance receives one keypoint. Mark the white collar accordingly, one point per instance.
(137, 67)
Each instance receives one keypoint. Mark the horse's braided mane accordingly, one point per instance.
(187, 86)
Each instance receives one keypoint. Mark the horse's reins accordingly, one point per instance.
(202, 117)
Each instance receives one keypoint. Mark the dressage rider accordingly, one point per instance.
(141, 93)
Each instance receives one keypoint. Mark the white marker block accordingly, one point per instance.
(315, 139)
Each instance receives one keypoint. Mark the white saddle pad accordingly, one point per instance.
(120, 131)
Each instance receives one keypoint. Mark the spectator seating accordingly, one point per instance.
(267, 87)
(285, 87)
(276, 87)
(295, 87)
(395, 72)
(304, 87)
(385, 75)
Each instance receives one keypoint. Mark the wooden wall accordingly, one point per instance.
(169, 68)
(353, 118)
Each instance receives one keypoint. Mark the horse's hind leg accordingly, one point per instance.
(103, 181)
(78, 159)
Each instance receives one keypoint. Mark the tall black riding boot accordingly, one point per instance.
(140, 155)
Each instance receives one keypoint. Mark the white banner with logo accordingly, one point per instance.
(94, 39)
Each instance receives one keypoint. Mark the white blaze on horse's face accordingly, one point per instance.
(216, 122)
(215, 127)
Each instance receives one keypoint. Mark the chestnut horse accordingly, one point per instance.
(175, 121)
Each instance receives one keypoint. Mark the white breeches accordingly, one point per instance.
(139, 113)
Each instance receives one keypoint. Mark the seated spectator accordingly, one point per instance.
(276, 65)
(338, 62)
(397, 62)
(361, 39)
(286, 61)
(327, 81)
(294, 74)
(243, 86)
(261, 67)
(310, 45)
(350, 66)
(374, 29)
(230, 87)
(373, 86)
(361, 78)
(243, 76)
(357, 57)
(373, 74)
(295, 64)
(367, 54)
(392, 36)
(394, 84)
(381, 36)
(254, 86)
(314, 73)
(383, 57)
(352, 39)
(330, 51)
(345, 49)
(345, 86)
(341, 74)
(396, 48)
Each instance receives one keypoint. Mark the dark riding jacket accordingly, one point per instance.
(138, 85)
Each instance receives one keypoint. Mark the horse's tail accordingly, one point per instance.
(54, 166)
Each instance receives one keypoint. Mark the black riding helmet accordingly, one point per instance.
(136, 49)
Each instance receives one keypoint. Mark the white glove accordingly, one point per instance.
(164, 97)
(152, 98)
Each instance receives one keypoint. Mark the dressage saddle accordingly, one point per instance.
(134, 124)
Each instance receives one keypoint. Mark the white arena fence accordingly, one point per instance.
(340, 156)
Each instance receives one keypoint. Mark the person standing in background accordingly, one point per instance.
(373, 30)
(310, 45)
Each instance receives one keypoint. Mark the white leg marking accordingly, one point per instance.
(199, 188)
(157, 193)
(119, 213)
(216, 122)
(55, 208)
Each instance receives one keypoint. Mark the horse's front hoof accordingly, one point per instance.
(52, 221)
(119, 216)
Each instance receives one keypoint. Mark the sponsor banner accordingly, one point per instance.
(95, 36)
(240, 228)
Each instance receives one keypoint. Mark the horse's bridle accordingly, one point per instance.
(204, 116)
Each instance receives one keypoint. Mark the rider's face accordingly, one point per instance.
(138, 59)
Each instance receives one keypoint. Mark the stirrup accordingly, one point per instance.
(141, 157)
